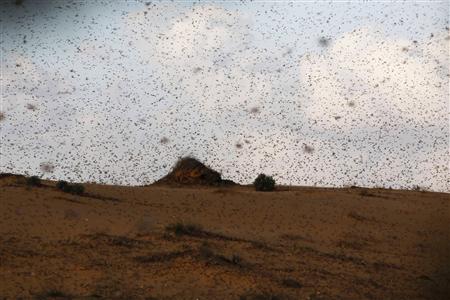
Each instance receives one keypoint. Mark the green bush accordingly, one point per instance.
(76, 188)
(34, 181)
(61, 185)
(264, 183)
(236, 259)
(184, 229)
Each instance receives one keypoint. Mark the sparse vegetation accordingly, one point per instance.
(60, 185)
(366, 193)
(180, 229)
(33, 181)
(260, 296)
(264, 183)
(161, 257)
(291, 283)
(76, 188)
(206, 253)
(205, 250)
(357, 216)
(236, 259)
(53, 294)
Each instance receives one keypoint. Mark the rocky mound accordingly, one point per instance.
(189, 171)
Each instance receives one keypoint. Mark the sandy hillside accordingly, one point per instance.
(234, 243)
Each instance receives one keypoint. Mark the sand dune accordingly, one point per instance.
(230, 242)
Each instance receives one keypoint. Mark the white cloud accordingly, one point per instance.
(192, 74)
(365, 79)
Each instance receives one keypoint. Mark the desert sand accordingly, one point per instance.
(231, 242)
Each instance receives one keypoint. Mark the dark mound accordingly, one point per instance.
(6, 175)
(189, 171)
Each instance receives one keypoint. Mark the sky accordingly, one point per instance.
(317, 93)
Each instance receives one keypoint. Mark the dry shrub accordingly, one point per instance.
(33, 181)
(264, 183)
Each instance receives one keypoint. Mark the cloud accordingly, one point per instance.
(366, 78)
(372, 107)
(205, 54)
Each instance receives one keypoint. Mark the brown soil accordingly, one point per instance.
(161, 242)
